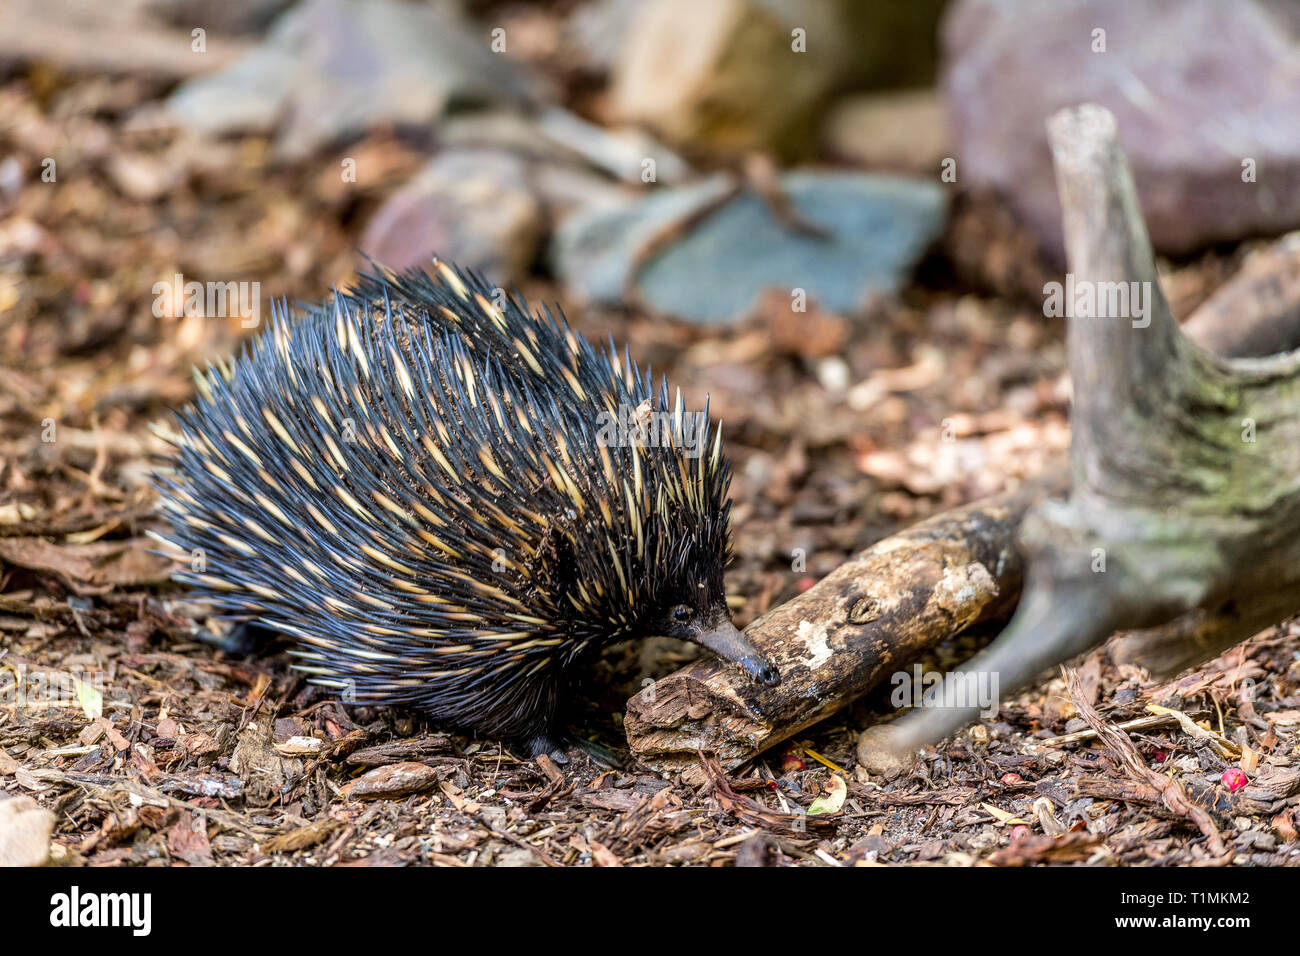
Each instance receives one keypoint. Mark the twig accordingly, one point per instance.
(1171, 790)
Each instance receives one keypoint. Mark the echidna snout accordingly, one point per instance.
(711, 627)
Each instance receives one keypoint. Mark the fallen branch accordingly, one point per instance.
(832, 645)
(841, 637)
(1183, 518)
(1257, 311)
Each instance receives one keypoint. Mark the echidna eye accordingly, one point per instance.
(682, 613)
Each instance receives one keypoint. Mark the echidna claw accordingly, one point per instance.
(761, 671)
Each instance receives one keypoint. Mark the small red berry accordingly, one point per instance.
(791, 762)
(1234, 779)
(1010, 778)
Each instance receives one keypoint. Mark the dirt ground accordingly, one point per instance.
(153, 749)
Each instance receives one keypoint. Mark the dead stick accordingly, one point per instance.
(863, 621)
(1172, 793)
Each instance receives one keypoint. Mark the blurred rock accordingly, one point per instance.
(627, 153)
(719, 76)
(1286, 13)
(330, 69)
(249, 96)
(25, 828)
(1197, 86)
(558, 172)
(902, 131)
(118, 38)
(565, 190)
(472, 207)
(221, 16)
(598, 30)
(501, 130)
(11, 175)
(879, 227)
(736, 75)
(880, 45)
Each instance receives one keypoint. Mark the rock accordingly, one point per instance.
(900, 131)
(737, 75)
(881, 751)
(11, 176)
(598, 29)
(879, 225)
(593, 251)
(719, 75)
(472, 207)
(555, 135)
(630, 154)
(565, 190)
(221, 16)
(330, 69)
(249, 96)
(1198, 87)
(25, 829)
(502, 130)
(119, 38)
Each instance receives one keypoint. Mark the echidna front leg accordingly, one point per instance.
(546, 744)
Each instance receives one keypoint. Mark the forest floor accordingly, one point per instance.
(153, 749)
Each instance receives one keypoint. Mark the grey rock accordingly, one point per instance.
(222, 16)
(330, 69)
(879, 226)
(594, 248)
(1197, 86)
(561, 175)
(598, 30)
(248, 96)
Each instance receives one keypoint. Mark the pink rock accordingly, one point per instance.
(1198, 88)
(471, 207)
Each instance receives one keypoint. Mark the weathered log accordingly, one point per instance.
(1184, 511)
(706, 706)
(1257, 311)
(838, 639)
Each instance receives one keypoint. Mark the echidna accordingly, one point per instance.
(448, 501)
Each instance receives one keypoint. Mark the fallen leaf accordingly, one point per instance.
(833, 799)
